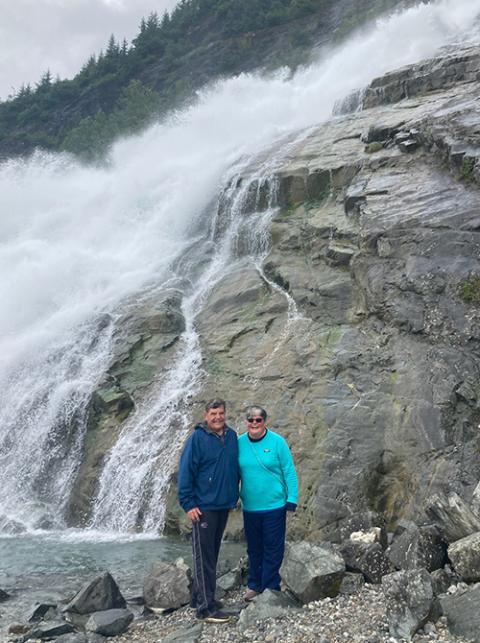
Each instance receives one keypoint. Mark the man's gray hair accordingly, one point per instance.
(255, 409)
(216, 403)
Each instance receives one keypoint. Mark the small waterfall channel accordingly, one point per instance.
(78, 245)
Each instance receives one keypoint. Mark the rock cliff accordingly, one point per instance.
(360, 333)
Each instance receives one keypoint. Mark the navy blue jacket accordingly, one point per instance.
(208, 476)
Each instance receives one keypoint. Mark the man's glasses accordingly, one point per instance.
(255, 420)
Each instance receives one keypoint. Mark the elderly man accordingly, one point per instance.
(207, 489)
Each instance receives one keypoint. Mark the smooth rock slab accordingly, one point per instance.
(462, 611)
(312, 572)
(109, 622)
(464, 555)
(269, 604)
(409, 601)
(98, 595)
(167, 585)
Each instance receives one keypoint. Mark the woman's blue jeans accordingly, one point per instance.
(265, 534)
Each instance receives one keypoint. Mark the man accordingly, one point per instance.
(207, 489)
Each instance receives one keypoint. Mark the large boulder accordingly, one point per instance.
(409, 601)
(454, 517)
(98, 595)
(311, 571)
(462, 610)
(465, 557)
(269, 604)
(418, 548)
(167, 585)
(109, 622)
(367, 558)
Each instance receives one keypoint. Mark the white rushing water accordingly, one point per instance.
(76, 243)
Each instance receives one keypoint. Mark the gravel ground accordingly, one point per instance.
(351, 619)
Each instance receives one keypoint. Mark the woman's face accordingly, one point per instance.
(255, 426)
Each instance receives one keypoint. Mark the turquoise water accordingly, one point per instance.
(54, 566)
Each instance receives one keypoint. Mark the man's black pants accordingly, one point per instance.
(206, 539)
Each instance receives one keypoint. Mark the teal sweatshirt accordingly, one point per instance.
(267, 472)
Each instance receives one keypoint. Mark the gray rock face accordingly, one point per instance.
(453, 516)
(361, 329)
(368, 559)
(109, 622)
(462, 610)
(167, 586)
(418, 547)
(465, 557)
(269, 604)
(312, 571)
(100, 594)
(409, 600)
(428, 76)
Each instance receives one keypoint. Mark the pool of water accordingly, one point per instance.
(52, 567)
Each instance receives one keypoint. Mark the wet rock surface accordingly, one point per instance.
(360, 329)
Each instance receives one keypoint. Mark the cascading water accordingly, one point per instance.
(78, 243)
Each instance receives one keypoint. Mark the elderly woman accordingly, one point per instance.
(269, 489)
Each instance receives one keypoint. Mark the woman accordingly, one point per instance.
(269, 489)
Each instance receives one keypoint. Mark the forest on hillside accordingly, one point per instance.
(126, 86)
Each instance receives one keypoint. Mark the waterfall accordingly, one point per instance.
(78, 244)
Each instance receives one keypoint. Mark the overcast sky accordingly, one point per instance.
(36, 35)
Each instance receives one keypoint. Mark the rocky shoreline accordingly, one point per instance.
(420, 583)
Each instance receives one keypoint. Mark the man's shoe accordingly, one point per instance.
(250, 595)
(216, 617)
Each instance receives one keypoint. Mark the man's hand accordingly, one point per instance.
(194, 514)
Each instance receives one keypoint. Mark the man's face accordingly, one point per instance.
(215, 419)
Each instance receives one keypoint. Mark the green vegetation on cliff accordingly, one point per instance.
(123, 88)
